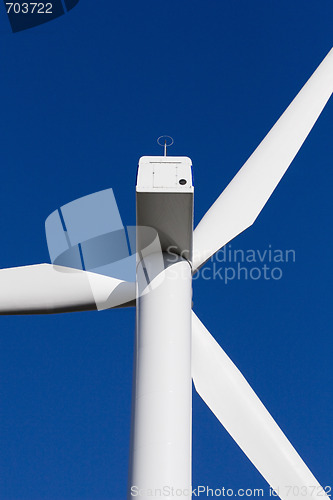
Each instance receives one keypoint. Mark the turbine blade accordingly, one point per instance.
(46, 289)
(237, 407)
(243, 199)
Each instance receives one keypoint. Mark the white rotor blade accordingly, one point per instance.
(45, 289)
(243, 199)
(240, 411)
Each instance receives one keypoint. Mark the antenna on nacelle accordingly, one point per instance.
(165, 141)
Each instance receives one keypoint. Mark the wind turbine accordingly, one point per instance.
(172, 345)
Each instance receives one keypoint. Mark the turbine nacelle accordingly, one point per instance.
(164, 199)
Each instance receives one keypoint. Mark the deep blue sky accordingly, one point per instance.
(83, 97)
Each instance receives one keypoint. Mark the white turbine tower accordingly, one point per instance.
(172, 345)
